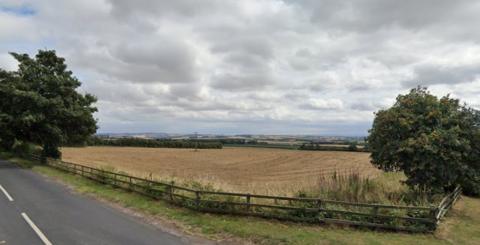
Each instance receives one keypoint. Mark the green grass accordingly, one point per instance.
(24, 163)
(460, 227)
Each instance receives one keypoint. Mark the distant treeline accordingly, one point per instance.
(233, 141)
(154, 143)
(338, 143)
(352, 146)
(216, 144)
(266, 145)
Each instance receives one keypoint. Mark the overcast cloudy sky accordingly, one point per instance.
(251, 66)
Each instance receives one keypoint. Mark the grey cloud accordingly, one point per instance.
(296, 95)
(300, 65)
(247, 62)
(440, 74)
(362, 106)
(178, 91)
(244, 82)
(163, 60)
(365, 105)
(319, 84)
(259, 46)
(122, 8)
(117, 92)
(371, 15)
(205, 106)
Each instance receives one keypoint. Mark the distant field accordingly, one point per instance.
(255, 170)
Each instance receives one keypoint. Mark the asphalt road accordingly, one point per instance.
(35, 210)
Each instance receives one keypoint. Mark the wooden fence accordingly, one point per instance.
(447, 202)
(311, 210)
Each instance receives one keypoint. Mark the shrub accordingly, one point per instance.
(352, 146)
(23, 149)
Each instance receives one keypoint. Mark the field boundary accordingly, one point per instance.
(317, 147)
(308, 210)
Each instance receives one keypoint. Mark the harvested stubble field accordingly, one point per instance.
(254, 170)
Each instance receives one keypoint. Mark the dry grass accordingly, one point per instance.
(254, 170)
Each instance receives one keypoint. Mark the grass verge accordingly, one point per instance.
(461, 227)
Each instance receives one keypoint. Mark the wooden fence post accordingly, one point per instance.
(197, 199)
(171, 190)
(434, 213)
(248, 202)
(318, 203)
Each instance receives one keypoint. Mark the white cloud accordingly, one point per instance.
(7, 62)
(325, 104)
(270, 66)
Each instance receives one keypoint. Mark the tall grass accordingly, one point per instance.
(387, 188)
(348, 185)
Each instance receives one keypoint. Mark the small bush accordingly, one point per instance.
(23, 149)
(103, 175)
(352, 146)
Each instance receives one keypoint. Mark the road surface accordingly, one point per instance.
(35, 210)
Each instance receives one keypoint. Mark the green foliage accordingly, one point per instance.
(435, 142)
(39, 104)
(23, 149)
(352, 146)
(154, 143)
(7, 135)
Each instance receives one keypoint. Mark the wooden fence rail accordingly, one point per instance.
(447, 202)
(311, 210)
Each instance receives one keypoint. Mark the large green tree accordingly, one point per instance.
(40, 104)
(434, 141)
(7, 88)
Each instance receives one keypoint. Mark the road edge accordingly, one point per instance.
(164, 224)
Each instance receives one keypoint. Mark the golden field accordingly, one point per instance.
(254, 170)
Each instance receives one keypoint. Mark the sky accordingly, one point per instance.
(318, 67)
